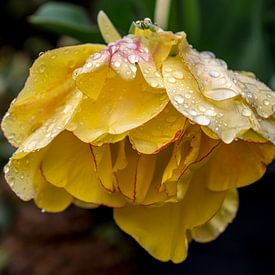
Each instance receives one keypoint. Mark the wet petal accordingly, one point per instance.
(222, 173)
(120, 107)
(257, 94)
(122, 57)
(53, 126)
(49, 82)
(159, 132)
(69, 164)
(225, 118)
(213, 228)
(21, 172)
(215, 81)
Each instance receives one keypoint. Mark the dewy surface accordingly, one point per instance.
(147, 125)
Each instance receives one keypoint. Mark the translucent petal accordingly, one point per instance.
(69, 164)
(215, 81)
(53, 126)
(257, 94)
(237, 164)
(21, 172)
(49, 81)
(214, 227)
(121, 106)
(158, 132)
(225, 118)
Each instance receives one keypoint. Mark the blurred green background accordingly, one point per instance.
(242, 32)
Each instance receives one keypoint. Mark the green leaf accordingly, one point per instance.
(65, 19)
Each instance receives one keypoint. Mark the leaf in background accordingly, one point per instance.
(123, 12)
(188, 15)
(66, 19)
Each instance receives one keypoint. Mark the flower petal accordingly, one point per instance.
(53, 126)
(49, 82)
(69, 164)
(51, 198)
(21, 173)
(225, 118)
(135, 179)
(160, 230)
(121, 106)
(215, 81)
(237, 164)
(158, 132)
(213, 228)
(257, 94)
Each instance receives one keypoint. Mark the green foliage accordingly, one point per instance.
(65, 19)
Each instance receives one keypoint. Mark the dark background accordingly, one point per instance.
(81, 241)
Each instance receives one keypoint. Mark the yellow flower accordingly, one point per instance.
(147, 125)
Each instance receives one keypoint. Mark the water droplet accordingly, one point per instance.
(43, 210)
(178, 74)
(214, 73)
(157, 74)
(88, 65)
(41, 53)
(171, 80)
(179, 99)
(133, 58)
(210, 113)
(193, 113)
(41, 68)
(96, 56)
(202, 120)
(222, 63)
(246, 112)
(168, 69)
(266, 102)
(153, 83)
(6, 169)
(273, 107)
(202, 108)
(187, 95)
(117, 64)
(208, 54)
(131, 46)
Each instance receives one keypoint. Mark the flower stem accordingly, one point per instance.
(162, 9)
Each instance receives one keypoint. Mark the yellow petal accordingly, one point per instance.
(135, 179)
(160, 230)
(51, 198)
(185, 152)
(121, 106)
(213, 228)
(215, 81)
(107, 29)
(20, 173)
(49, 82)
(257, 94)
(225, 118)
(69, 164)
(51, 127)
(103, 165)
(237, 164)
(158, 132)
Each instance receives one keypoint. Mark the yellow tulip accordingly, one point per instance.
(147, 125)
